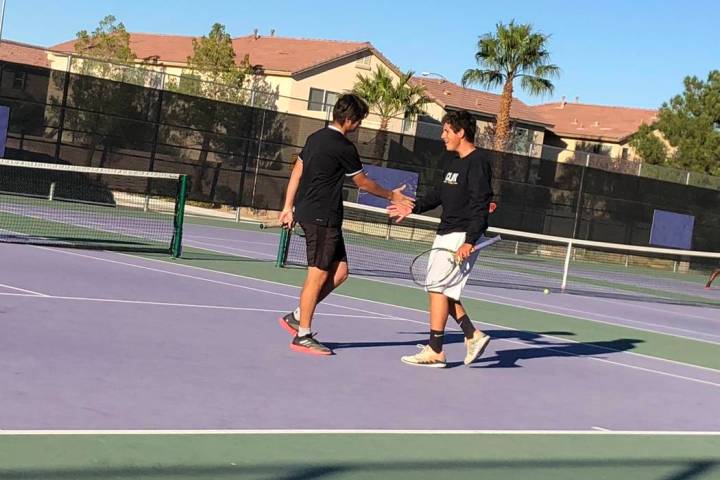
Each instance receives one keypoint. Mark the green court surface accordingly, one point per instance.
(518, 318)
(205, 455)
(340, 456)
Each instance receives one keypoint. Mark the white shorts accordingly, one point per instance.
(452, 286)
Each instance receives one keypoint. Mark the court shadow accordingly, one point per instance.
(512, 358)
(421, 338)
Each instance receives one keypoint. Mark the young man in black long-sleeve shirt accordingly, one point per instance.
(464, 195)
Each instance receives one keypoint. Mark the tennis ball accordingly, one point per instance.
(546, 291)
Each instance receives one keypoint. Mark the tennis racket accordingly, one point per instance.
(295, 230)
(440, 266)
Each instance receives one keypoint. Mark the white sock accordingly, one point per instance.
(296, 314)
(303, 332)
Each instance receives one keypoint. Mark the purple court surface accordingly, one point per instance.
(93, 340)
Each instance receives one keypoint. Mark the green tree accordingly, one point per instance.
(649, 146)
(690, 122)
(103, 110)
(216, 119)
(213, 64)
(512, 52)
(109, 41)
(390, 99)
(213, 73)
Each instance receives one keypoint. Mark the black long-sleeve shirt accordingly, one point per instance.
(464, 195)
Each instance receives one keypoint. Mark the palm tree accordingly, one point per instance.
(513, 51)
(390, 99)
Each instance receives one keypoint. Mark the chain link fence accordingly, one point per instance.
(239, 152)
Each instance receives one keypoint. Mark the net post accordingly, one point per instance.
(566, 267)
(237, 213)
(179, 216)
(282, 251)
(51, 194)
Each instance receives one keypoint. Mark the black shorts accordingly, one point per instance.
(325, 245)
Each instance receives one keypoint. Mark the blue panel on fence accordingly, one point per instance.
(388, 178)
(671, 229)
(4, 121)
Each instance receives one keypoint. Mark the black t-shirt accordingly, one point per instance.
(328, 157)
(464, 194)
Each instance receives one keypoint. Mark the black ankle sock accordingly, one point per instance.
(467, 327)
(436, 340)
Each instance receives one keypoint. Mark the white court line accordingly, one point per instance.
(361, 432)
(221, 219)
(653, 309)
(601, 429)
(171, 304)
(209, 280)
(659, 372)
(482, 296)
(35, 294)
(191, 236)
(515, 303)
(232, 249)
(677, 362)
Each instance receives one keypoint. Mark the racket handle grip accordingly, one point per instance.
(273, 224)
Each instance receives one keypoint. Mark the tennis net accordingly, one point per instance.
(87, 207)
(377, 247)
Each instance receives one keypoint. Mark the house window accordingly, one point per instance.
(364, 63)
(330, 99)
(19, 80)
(321, 100)
(521, 141)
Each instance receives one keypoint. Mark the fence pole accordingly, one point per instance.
(578, 204)
(257, 158)
(156, 121)
(63, 107)
(566, 266)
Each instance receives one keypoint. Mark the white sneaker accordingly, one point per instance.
(476, 346)
(427, 357)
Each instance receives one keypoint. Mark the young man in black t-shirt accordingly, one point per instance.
(315, 192)
(464, 195)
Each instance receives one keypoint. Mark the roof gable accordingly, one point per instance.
(279, 54)
(24, 53)
(594, 122)
(449, 94)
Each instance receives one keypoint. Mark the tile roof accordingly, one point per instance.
(279, 54)
(449, 94)
(594, 122)
(24, 53)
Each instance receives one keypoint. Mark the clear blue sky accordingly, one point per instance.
(631, 53)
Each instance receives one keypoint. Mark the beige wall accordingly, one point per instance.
(612, 149)
(339, 78)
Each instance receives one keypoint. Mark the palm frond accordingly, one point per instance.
(537, 85)
(485, 78)
(390, 97)
(513, 51)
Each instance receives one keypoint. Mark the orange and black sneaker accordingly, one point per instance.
(289, 323)
(308, 344)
